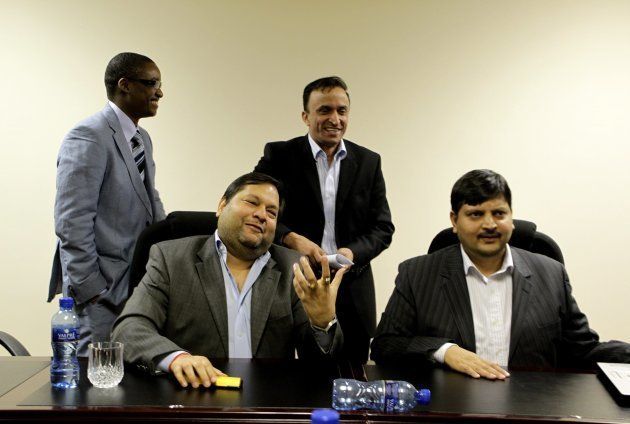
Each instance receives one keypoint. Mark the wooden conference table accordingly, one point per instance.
(287, 391)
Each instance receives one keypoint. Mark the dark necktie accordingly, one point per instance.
(137, 151)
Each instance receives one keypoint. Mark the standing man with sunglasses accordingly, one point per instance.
(106, 196)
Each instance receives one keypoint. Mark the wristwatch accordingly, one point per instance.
(327, 328)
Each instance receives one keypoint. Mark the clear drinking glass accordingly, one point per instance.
(105, 364)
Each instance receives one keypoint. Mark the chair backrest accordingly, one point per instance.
(176, 225)
(525, 236)
(12, 345)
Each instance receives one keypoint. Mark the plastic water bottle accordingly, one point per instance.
(325, 416)
(64, 369)
(381, 395)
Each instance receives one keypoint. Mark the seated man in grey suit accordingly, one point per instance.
(231, 294)
(106, 196)
(482, 305)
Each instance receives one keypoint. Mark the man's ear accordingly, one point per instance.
(305, 117)
(221, 206)
(123, 85)
(453, 217)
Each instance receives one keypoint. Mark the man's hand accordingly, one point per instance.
(318, 296)
(346, 252)
(196, 370)
(304, 246)
(467, 362)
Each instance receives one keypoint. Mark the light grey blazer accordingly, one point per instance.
(180, 304)
(102, 206)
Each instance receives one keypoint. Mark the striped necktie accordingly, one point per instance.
(137, 151)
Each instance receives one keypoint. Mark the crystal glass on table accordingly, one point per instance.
(105, 364)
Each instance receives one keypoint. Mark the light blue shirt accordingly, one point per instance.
(239, 303)
(239, 311)
(328, 184)
(238, 306)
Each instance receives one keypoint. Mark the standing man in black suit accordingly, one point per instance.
(482, 305)
(335, 204)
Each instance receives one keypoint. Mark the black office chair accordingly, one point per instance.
(12, 345)
(524, 237)
(176, 225)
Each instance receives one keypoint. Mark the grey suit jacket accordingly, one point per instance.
(430, 306)
(180, 304)
(102, 206)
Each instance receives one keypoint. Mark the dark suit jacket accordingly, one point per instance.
(180, 304)
(430, 306)
(362, 218)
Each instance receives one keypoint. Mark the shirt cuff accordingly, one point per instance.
(323, 338)
(165, 364)
(438, 355)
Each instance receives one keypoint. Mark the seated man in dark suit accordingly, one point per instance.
(231, 294)
(482, 305)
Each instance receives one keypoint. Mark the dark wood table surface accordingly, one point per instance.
(287, 391)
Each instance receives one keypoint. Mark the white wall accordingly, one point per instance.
(536, 90)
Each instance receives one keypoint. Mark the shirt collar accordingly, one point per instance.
(222, 250)
(315, 149)
(506, 266)
(128, 127)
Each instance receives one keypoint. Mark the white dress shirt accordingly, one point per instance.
(328, 184)
(491, 305)
(128, 127)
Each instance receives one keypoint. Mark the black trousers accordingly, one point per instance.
(356, 340)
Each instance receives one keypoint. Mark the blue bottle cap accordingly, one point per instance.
(423, 396)
(66, 302)
(320, 416)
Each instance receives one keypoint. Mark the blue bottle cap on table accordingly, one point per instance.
(423, 396)
(320, 416)
(66, 302)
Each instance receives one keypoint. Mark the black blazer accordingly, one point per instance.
(362, 217)
(430, 306)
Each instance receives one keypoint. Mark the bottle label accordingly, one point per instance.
(391, 396)
(65, 335)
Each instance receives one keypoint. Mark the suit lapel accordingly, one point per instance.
(211, 279)
(521, 289)
(454, 284)
(310, 171)
(347, 172)
(125, 151)
(263, 294)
